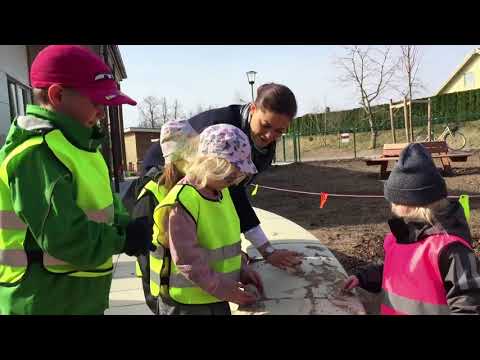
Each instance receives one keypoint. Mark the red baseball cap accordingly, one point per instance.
(78, 68)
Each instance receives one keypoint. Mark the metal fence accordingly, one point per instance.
(288, 148)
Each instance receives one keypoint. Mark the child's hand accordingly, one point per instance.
(250, 276)
(350, 283)
(239, 296)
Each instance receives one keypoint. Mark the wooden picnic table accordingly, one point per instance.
(438, 150)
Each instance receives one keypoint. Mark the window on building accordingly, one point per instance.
(469, 80)
(19, 95)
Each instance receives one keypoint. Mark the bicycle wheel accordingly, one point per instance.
(456, 140)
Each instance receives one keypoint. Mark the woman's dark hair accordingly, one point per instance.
(276, 98)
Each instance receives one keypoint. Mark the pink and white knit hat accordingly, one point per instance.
(230, 143)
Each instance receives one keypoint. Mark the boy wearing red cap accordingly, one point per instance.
(60, 223)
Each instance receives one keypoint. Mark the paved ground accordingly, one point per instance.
(126, 294)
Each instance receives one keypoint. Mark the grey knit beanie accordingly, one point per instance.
(415, 180)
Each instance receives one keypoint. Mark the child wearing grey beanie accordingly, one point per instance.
(429, 267)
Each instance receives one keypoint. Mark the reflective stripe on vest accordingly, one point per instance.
(179, 281)
(101, 216)
(13, 258)
(404, 305)
(96, 200)
(18, 258)
(157, 256)
(10, 220)
(218, 233)
(224, 253)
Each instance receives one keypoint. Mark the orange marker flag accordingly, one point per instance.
(323, 199)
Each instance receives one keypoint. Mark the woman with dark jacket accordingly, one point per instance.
(263, 121)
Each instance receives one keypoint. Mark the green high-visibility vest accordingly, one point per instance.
(218, 233)
(95, 198)
(159, 191)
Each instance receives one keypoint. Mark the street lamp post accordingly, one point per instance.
(251, 80)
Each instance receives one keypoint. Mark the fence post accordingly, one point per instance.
(392, 124)
(299, 150)
(325, 129)
(410, 120)
(284, 152)
(294, 148)
(354, 143)
(429, 120)
(405, 116)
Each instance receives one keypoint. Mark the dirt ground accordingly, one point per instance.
(352, 228)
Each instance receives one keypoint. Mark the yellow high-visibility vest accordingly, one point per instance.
(95, 198)
(218, 233)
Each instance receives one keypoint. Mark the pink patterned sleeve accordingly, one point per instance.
(190, 258)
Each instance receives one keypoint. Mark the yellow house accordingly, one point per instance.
(465, 77)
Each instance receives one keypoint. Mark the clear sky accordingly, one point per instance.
(215, 74)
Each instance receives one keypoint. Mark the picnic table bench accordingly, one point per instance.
(438, 150)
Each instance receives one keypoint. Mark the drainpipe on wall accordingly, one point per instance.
(113, 112)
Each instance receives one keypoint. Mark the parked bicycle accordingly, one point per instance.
(455, 139)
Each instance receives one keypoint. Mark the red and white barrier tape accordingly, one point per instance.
(342, 195)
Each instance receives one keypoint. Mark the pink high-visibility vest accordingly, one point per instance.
(412, 283)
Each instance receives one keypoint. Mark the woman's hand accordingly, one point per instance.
(284, 258)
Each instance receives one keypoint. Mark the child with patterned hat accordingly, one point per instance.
(202, 230)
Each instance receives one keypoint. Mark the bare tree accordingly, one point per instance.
(409, 83)
(176, 110)
(164, 113)
(371, 71)
(150, 112)
(409, 63)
